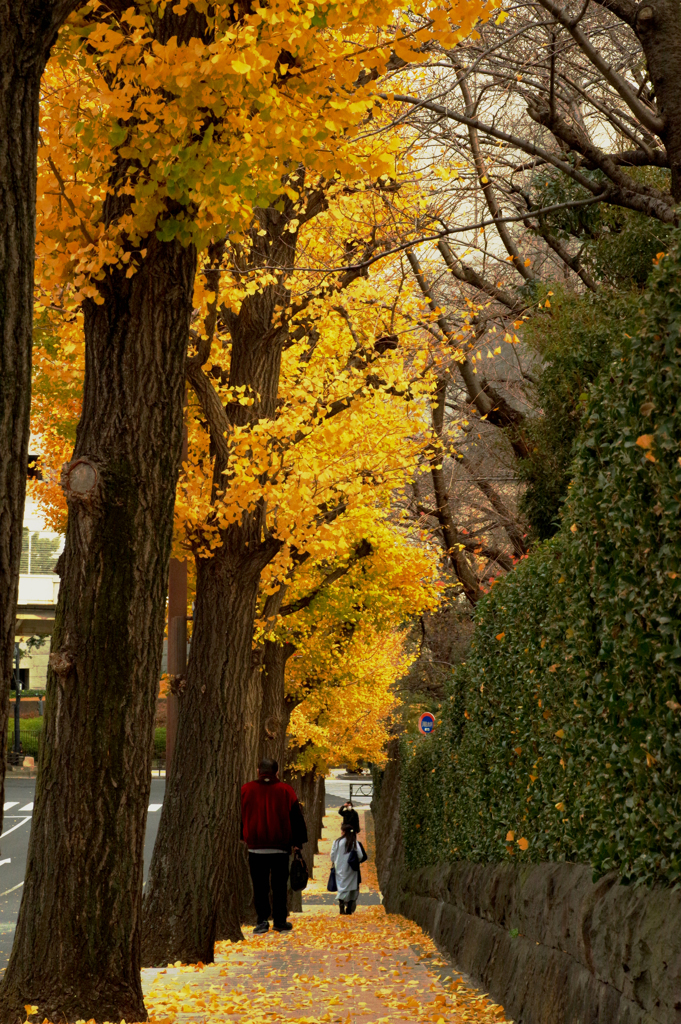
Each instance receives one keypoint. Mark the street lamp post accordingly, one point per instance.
(17, 704)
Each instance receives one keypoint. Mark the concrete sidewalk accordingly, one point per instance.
(370, 968)
(316, 892)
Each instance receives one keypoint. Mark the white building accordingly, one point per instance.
(38, 590)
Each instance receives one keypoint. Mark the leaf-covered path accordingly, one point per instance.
(370, 968)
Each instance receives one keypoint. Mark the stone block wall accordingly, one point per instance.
(544, 940)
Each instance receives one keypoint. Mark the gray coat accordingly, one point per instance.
(347, 880)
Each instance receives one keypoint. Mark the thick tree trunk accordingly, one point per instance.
(274, 712)
(27, 31)
(450, 534)
(76, 951)
(274, 719)
(197, 877)
(310, 789)
(657, 24)
(198, 847)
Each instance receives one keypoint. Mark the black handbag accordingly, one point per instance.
(299, 873)
(331, 885)
(354, 861)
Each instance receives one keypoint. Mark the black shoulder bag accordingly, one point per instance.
(299, 873)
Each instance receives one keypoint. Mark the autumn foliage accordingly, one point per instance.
(131, 113)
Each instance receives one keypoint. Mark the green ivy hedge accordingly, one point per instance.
(560, 738)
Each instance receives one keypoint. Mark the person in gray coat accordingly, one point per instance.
(347, 853)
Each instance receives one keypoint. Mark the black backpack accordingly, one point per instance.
(299, 873)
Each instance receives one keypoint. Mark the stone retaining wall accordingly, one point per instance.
(545, 941)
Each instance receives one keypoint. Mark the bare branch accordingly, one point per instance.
(212, 408)
(486, 184)
(470, 276)
(640, 109)
(363, 550)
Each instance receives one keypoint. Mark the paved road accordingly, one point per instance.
(19, 796)
(338, 791)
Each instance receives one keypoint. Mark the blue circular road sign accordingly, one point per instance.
(426, 723)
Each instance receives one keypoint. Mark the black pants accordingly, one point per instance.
(263, 866)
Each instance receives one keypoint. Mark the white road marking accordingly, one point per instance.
(22, 822)
(26, 807)
(7, 860)
(155, 807)
(12, 803)
(14, 887)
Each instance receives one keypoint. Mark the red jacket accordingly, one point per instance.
(271, 817)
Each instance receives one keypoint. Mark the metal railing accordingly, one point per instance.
(27, 745)
(365, 789)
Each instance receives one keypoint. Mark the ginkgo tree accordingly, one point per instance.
(331, 664)
(298, 437)
(345, 431)
(169, 130)
(345, 646)
(27, 32)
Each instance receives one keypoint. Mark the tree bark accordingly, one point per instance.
(658, 27)
(27, 31)
(197, 849)
(76, 951)
(450, 534)
(657, 24)
(196, 880)
(310, 789)
(274, 712)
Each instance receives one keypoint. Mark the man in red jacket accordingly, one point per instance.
(271, 824)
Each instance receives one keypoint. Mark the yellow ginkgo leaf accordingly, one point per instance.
(645, 441)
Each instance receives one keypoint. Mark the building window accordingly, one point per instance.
(39, 553)
(24, 677)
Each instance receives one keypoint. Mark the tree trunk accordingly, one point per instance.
(450, 534)
(274, 719)
(198, 847)
(274, 712)
(197, 855)
(657, 24)
(308, 786)
(76, 951)
(27, 31)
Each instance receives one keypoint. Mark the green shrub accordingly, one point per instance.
(564, 726)
(160, 744)
(617, 246)
(574, 344)
(29, 733)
